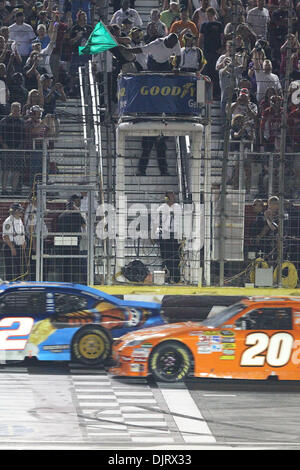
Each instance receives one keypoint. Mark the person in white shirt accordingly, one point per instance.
(23, 34)
(167, 227)
(258, 19)
(265, 78)
(13, 235)
(126, 12)
(159, 52)
(200, 15)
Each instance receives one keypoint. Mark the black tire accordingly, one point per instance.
(91, 346)
(170, 361)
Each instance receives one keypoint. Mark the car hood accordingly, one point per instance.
(162, 331)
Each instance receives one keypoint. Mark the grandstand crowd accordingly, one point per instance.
(39, 61)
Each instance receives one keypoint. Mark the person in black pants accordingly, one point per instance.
(14, 244)
(168, 242)
(71, 222)
(160, 146)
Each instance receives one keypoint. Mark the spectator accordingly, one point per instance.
(294, 45)
(211, 41)
(42, 35)
(44, 54)
(242, 30)
(52, 93)
(4, 31)
(294, 129)
(80, 33)
(66, 54)
(43, 18)
(117, 4)
(170, 15)
(160, 146)
(192, 58)
(36, 131)
(160, 52)
(61, 38)
(196, 4)
(245, 83)
(126, 12)
(5, 15)
(155, 28)
(84, 5)
(17, 90)
(278, 30)
(242, 131)
(266, 101)
(126, 27)
(200, 15)
(230, 10)
(270, 126)
(32, 70)
(243, 106)
(12, 136)
(264, 77)
(258, 19)
(184, 25)
(9, 56)
(32, 17)
(230, 73)
(23, 34)
(4, 91)
(35, 98)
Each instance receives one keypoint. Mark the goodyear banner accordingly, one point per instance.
(157, 94)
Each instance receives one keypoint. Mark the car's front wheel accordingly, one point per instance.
(91, 346)
(170, 361)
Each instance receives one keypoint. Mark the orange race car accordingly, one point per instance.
(252, 339)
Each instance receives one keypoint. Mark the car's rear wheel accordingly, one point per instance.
(91, 346)
(170, 361)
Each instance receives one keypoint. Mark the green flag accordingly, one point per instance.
(100, 40)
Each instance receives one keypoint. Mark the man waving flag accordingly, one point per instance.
(100, 40)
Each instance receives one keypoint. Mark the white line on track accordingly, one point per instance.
(186, 414)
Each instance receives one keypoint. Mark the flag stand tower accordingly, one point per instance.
(162, 120)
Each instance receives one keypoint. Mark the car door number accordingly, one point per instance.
(277, 350)
(13, 338)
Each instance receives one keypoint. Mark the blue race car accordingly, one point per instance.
(63, 322)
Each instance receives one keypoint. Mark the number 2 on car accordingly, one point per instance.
(12, 332)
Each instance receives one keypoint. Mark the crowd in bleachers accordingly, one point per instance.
(235, 42)
(39, 61)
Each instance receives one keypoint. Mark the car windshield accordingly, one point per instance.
(221, 317)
